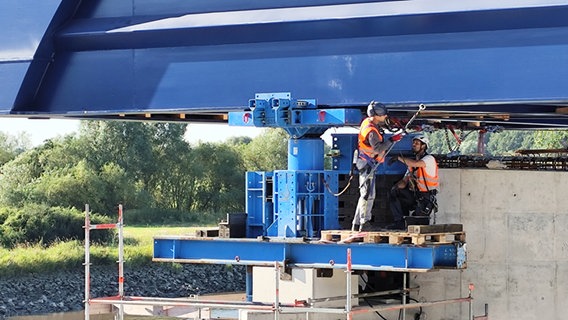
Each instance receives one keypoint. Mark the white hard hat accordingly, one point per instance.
(422, 138)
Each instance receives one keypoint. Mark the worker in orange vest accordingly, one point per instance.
(370, 152)
(417, 190)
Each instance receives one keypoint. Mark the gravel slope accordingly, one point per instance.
(64, 291)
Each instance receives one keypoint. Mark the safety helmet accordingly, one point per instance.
(422, 138)
(376, 109)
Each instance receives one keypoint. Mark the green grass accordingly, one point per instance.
(138, 250)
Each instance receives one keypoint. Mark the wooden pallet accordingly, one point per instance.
(391, 237)
(429, 238)
(343, 236)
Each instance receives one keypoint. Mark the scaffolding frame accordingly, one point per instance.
(275, 307)
(88, 227)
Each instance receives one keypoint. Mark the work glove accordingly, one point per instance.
(392, 160)
(396, 137)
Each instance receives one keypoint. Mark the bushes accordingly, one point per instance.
(40, 224)
(155, 216)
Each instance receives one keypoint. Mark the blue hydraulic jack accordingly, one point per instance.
(299, 201)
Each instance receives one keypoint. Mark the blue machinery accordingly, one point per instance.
(287, 209)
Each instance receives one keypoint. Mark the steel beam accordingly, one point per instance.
(118, 59)
(365, 256)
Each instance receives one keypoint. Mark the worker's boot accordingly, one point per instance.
(366, 226)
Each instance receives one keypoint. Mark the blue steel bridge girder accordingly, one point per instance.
(296, 253)
(114, 59)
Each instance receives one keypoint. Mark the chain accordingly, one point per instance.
(449, 143)
(463, 136)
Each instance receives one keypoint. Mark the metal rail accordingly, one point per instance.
(524, 162)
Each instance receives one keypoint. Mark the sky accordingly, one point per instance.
(39, 130)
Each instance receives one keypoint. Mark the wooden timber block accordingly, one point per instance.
(435, 228)
(438, 238)
(207, 232)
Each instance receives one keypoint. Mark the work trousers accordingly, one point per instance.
(403, 201)
(367, 196)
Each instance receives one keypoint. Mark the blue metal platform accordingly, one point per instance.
(297, 253)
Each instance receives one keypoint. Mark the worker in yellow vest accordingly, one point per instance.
(417, 190)
(370, 152)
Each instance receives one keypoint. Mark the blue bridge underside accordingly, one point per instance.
(365, 256)
(495, 62)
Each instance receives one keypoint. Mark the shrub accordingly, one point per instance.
(40, 224)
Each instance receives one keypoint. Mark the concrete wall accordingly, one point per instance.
(517, 240)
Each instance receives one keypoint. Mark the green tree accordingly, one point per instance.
(507, 142)
(172, 182)
(235, 141)
(444, 142)
(70, 171)
(11, 146)
(267, 152)
(18, 176)
(220, 187)
(128, 144)
(551, 139)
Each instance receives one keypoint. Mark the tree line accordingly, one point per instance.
(496, 143)
(147, 167)
(158, 176)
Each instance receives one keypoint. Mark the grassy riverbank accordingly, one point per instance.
(138, 250)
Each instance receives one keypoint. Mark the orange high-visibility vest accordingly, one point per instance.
(364, 147)
(424, 181)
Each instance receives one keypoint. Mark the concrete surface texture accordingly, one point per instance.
(516, 224)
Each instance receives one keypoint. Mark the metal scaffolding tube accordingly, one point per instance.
(178, 303)
(313, 301)
(277, 290)
(87, 263)
(120, 261)
(404, 294)
(412, 305)
(348, 272)
(88, 227)
(284, 308)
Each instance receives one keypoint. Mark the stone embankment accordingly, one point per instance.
(64, 291)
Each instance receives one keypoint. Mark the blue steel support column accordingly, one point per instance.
(305, 154)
